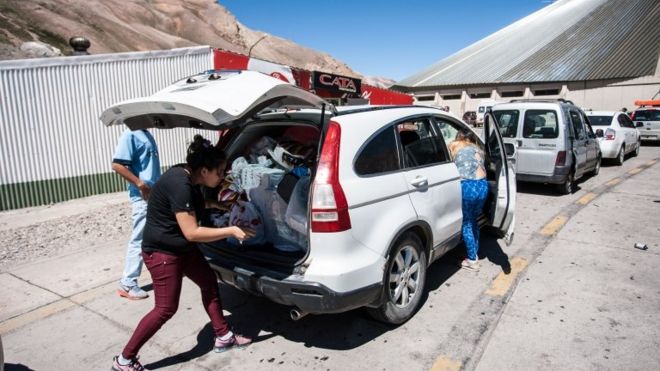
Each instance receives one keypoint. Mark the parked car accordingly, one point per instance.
(470, 118)
(647, 121)
(617, 135)
(384, 200)
(549, 141)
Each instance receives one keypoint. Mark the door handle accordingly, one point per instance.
(420, 182)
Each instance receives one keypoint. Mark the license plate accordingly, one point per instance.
(649, 137)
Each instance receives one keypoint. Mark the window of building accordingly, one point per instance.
(546, 92)
(451, 97)
(512, 94)
(425, 98)
(479, 95)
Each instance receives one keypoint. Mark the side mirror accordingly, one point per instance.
(599, 133)
(639, 124)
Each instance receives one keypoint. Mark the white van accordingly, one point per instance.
(549, 141)
(484, 106)
(383, 200)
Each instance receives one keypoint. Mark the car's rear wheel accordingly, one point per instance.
(404, 281)
(620, 157)
(636, 153)
(567, 187)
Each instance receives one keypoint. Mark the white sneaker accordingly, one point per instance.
(471, 265)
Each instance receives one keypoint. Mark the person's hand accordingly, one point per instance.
(242, 233)
(145, 189)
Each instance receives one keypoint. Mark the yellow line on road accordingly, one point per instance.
(651, 163)
(446, 364)
(554, 225)
(614, 181)
(634, 171)
(586, 198)
(502, 283)
(37, 314)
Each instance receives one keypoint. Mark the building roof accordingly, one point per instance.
(569, 40)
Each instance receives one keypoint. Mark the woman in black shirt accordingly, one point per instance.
(169, 249)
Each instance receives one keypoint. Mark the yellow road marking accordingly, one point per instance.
(614, 181)
(446, 364)
(502, 283)
(554, 225)
(586, 198)
(634, 171)
(651, 163)
(37, 314)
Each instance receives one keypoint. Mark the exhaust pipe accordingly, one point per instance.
(297, 314)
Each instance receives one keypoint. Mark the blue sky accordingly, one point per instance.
(385, 38)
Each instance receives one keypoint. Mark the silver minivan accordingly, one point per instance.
(548, 141)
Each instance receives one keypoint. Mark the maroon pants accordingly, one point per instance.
(167, 273)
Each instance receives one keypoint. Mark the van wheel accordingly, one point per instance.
(567, 187)
(620, 157)
(404, 281)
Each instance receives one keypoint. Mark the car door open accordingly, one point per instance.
(501, 180)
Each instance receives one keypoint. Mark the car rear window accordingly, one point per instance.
(647, 115)
(507, 121)
(600, 120)
(540, 124)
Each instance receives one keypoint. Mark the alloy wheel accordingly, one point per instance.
(404, 276)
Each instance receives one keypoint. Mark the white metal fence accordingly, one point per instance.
(53, 146)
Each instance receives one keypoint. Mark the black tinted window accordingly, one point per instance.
(379, 155)
(507, 122)
(541, 124)
(647, 115)
(420, 146)
(600, 120)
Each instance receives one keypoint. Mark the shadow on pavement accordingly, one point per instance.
(490, 248)
(16, 367)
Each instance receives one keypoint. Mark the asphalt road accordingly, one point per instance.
(571, 292)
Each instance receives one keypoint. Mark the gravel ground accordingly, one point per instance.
(50, 231)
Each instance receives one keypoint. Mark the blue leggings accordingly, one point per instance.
(474, 197)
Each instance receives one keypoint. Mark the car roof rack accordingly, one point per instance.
(542, 100)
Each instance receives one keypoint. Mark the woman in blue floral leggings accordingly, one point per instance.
(469, 159)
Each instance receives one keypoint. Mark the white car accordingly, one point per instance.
(384, 200)
(617, 135)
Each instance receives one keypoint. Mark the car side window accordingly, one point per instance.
(578, 126)
(625, 122)
(419, 144)
(379, 155)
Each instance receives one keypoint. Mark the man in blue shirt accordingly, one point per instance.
(136, 160)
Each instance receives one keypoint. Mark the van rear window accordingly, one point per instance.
(540, 124)
(600, 120)
(507, 121)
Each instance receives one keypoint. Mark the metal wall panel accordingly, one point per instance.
(52, 143)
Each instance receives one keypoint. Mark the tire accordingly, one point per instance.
(568, 185)
(405, 266)
(620, 157)
(597, 167)
(636, 153)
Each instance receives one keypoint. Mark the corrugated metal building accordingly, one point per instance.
(53, 146)
(602, 54)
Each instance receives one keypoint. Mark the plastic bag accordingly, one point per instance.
(245, 214)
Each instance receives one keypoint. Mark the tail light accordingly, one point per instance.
(610, 134)
(329, 206)
(561, 158)
(632, 115)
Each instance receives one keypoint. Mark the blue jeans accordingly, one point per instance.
(474, 194)
(133, 264)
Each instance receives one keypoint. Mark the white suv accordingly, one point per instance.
(384, 200)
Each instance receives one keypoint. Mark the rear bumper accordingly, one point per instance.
(558, 177)
(649, 135)
(290, 288)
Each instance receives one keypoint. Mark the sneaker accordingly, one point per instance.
(132, 293)
(236, 341)
(471, 265)
(133, 366)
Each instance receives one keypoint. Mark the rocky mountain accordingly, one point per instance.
(37, 28)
